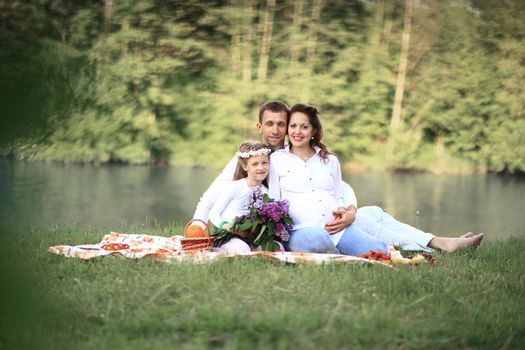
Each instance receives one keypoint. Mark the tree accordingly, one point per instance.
(36, 70)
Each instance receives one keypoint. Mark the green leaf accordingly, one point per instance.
(270, 246)
(245, 225)
(271, 226)
(257, 240)
(222, 236)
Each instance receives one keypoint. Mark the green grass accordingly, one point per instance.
(469, 300)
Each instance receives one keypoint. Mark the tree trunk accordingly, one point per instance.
(246, 41)
(387, 29)
(264, 53)
(125, 29)
(401, 74)
(312, 33)
(295, 34)
(311, 43)
(377, 32)
(108, 13)
(235, 43)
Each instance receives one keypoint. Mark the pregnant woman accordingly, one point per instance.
(309, 177)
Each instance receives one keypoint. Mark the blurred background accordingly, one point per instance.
(409, 85)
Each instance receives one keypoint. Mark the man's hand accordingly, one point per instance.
(343, 219)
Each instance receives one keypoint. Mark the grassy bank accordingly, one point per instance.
(411, 157)
(471, 300)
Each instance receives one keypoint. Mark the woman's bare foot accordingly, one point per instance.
(451, 245)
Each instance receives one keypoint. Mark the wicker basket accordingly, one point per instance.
(196, 244)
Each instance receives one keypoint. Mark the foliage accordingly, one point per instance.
(267, 220)
(36, 68)
(146, 81)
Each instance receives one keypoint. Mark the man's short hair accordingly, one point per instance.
(274, 106)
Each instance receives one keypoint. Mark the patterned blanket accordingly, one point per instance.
(135, 246)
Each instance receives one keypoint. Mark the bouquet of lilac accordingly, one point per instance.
(266, 221)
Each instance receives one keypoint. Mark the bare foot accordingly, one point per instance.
(460, 243)
(451, 245)
(467, 235)
(479, 238)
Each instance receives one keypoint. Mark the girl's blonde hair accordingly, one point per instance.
(246, 151)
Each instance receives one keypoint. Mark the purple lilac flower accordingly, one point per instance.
(269, 211)
(255, 199)
(285, 236)
(274, 211)
(250, 216)
(279, 228)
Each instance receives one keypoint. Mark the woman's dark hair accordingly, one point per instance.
(312, 113)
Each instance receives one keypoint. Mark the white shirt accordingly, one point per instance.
(313, 188)
(213, 192)
(232, 202)
(226, 176)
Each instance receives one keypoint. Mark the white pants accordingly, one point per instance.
(376, 222)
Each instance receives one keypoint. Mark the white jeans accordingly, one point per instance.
(376, 222)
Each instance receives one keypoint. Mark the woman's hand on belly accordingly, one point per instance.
(342, 220)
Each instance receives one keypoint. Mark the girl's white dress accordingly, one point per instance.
(232, 202)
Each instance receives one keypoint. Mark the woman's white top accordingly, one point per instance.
(232, 202)
(313, 188)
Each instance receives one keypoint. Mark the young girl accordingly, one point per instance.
(252, 170)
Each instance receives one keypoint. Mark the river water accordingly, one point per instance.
(122, 197)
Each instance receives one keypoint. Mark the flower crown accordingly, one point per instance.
(260, 152)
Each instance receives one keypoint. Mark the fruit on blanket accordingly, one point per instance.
(417, 259)
(374, 255)
(397, 258)
(195, 231)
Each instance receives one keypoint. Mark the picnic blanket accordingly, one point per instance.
(169, 249)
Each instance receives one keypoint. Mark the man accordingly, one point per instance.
(272, 126)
